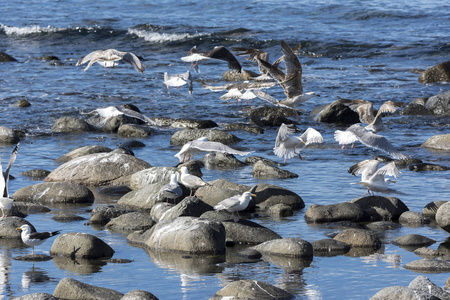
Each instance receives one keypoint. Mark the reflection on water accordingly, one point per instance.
(34, 276)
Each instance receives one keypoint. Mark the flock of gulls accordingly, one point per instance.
(287, 144)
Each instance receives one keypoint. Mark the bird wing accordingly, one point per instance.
(311, 136)
(283, 133)
(233, 93)
(251, 53)
(133, 60)
(93, 55)
(362, 107)
(210, 146)
(228, 203)
(222, 53)
(374, 141)
(292, 84)
(11, 161)
(389, 106)
(389, 169)
(344, 137)
(365, 168)
(274, 71)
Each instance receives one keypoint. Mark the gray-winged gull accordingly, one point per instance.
(108, 58)
(177, 80)
(219, 52)
(190, 181)
(288, 145)
(5, 200)
(235, 204)
(171, 190)
(373, 178)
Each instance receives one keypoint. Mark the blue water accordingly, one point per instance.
(367, 50)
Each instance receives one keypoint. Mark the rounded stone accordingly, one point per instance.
(291, 247)
(359, 238)
(80, 245)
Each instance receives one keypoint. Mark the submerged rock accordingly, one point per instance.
(292, 247)
(262, 170)
(413, 240)
(181, 137)
(8, 136)
(251, 289)
(70, 124)
(184, 123)
(55, 192)
(329, 247)
(427, 167)
(359, 238)
(338, 212)
(428, 266)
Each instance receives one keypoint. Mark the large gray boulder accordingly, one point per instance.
(55, 192)
(428, 266)
(443, 216)
(142, 199)
(263, 170)
(130, 222)
(189, 206)
(189, 235)
(151, 175)
(437, 73)
(134, 131)
(69, 288)
(439, 104)
(9, 225)
(290, 247)
(268, 195)
(139, 295)
(329, 247)
(335, 112)
(423, 284)
(212, 195)
(251, 290)
(381, 208)
(438, 142)
(70, 124)
(337, 212)
(221, 160)
(99, 169)
(80, 245)
(359, 238)
(399, 292)
(81, 151)
(8, 136)
(181, 137)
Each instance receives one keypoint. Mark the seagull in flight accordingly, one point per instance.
(106, 113)
(202, 144)
(366, 114)
(5, 200)
(373, 178)
(288, 145)
(219, 52)
(178, 80)
(235, 204)
(108, 58)
(357, 132)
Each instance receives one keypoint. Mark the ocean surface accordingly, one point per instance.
(372, 50)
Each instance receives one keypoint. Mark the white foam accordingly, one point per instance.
(12, 30)
(156, 37)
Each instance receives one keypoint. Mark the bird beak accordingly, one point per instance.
(18, 228)
(393, 181)
(253, 195)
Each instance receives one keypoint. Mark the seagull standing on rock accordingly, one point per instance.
(5, 200)
(34, 238)
(190, 181)
(235, 204)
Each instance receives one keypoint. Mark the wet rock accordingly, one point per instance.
(69, 288)
(381, 208)
(9, 225)
(292, 247)
(243, 231)
(251, 289)
(33, 257)
(103, 214)
(335, 112)
(138, 295)
(134, 131)
(338, 212)
(112, 191)
(222, 160)
(329, 247)
(401, 293)
(80, 245)
(190, 206)
(36, 296)
(23, 209)
(280, 210)
(226, 184)
(8, 136)
(159, 209)
(415, 109)
(181, 137)
(152, 175)
(36, 173)
(231, 75)
(23, 103)
(6, 57)
(189, 235)
(431, 208)
(423, 284)
(428, 266)
(427, 167)
(359, 238)
(130, 222)
(413, 218)
(81, 151)
(112, 124)
(425, 252)
(142, 199)
(212, 195)
(244, 127)
(443, 216)
(66, 217)
(184, 123)
(132, 144)
(99, 169)
(413, 240)
(438, 142)
(252, 160)
(383, 225)
(261, 170)
(437, 73)
(268, 195)
(55, 192)
(271, 116)
(70, 124)
(250, 254)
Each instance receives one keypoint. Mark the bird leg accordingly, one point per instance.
(235, 219)
(3, 213)
(353, 144)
